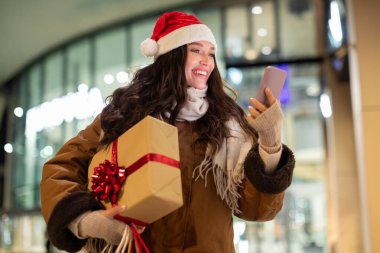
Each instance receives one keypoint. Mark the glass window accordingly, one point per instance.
(139, 32)
(298, 28)
(78, 73)
(49, 136)
(111, 59)
(263, 31)
(22, 186)
(78, 65)
(31, 154)
(236, 32)
(53, 79)
(254, 34)
(35, 90)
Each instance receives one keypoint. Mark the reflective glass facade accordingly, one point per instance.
(63, 91)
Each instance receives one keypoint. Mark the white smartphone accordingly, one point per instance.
(273, 78)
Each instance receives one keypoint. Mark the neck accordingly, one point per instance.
(196, 105)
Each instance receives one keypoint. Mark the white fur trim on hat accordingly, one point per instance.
(183, 36)
(149, 47)
(177, 38)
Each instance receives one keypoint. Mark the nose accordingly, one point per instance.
(205, 60)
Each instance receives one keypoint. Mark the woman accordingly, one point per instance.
(231, 164)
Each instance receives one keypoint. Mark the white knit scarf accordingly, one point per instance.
(195, 105)
(227, 164)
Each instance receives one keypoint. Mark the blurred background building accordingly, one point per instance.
(59, 60)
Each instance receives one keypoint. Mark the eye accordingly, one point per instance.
(195, 50)
(212, 56)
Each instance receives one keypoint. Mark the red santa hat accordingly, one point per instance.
(175, 29)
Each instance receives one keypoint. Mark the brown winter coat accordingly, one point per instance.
(204, 222)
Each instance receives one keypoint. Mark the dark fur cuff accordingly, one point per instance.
(65, 212)
(275, 182)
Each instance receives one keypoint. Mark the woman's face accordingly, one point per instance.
(200, 63)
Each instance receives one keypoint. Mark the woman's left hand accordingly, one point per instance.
(257, 107)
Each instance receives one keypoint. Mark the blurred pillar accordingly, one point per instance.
(344, 227)
(364, 52)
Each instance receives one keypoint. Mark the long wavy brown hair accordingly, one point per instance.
(157, 87)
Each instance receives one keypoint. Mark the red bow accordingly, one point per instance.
(108, 178)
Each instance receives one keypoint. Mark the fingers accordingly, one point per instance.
(257, 105)
(270, 97)
(256, 109)
(139, 229)
(253, 112)
(110, 213)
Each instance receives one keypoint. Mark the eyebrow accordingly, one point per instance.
(199, 44)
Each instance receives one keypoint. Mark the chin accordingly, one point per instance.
(199, 86)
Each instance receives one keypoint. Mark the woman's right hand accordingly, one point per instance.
(267, 121)
(110, 213)
(101, 224)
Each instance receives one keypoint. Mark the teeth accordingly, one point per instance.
(200, 72)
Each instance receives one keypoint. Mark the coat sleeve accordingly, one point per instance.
(262, 194)
(63, 187)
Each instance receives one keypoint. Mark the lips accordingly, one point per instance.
(200, 73)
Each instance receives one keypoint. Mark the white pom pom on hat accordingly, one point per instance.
(149, 47)
(175, 29)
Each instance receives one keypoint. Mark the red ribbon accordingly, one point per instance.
(139, 242)
(152, 157)
(108, 178)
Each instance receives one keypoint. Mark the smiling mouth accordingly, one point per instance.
(200, 72)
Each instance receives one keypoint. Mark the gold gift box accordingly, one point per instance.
(154, 189)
